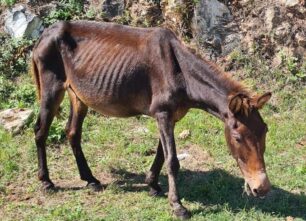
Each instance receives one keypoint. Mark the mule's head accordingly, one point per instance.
(245, 133)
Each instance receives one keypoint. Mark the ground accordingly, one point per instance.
(120, 152)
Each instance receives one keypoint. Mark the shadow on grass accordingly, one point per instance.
(219, 188)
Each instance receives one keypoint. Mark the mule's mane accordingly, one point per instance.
(228, 80)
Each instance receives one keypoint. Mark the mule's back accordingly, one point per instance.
(112, 68)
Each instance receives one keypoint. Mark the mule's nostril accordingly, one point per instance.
(255, 191)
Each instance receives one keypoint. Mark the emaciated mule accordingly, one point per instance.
(125, 71)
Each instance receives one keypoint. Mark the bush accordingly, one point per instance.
(13, 56)
(67, 10)
(7, 2)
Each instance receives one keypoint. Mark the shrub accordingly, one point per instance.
(68, 9)
(14, 54)
(7, 2)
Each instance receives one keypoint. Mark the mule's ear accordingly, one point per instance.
(235, 103)
(262, 100)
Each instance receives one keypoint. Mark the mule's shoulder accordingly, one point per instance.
(164, 33)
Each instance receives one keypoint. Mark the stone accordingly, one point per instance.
(113, 8)
(183, 156)
(301, 39)
(282, 32)
(272, 17)
(141, 130)
(290, 3)
(213, 25)
(13, 120)
(145, 13)
(20, 22)
(184, 134)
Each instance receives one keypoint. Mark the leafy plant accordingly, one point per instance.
(13, 56)
(6, 88)
(57, 132)
(23, 96)
(67, 10)
(7, 2)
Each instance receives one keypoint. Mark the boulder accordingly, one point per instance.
(290, 3)
(213, 26)
(20, 22)
(13, 120)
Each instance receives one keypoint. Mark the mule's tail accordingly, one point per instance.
(35, 75)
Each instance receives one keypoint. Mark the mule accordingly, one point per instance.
(126, 71)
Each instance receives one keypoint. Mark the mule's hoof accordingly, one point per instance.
(48, 186)
(156, 192)
(181, 212)
(95, 186)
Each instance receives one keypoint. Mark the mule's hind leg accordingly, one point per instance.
(152, 176)
(48, 108)
(78, 112)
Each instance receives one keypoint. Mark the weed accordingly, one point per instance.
(14, 56)
(8, 2)
(69, 9)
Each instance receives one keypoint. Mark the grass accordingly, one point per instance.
(120, 152)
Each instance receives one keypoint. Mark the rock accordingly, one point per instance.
(301, 39)
(272, 17)
(113, 8)
(146, 12)
(14, 119)
(184, 134)
(282, 32)
(141, 130)
(290, 3)
(213, 25)
(20, 22)
(289, 218)
(182, 156)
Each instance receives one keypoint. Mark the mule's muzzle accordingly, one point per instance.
(257, 191)
(259, 186)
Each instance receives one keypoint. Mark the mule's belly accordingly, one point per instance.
(122, 99)
(116, 108)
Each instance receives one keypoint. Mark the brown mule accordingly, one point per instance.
(123, 71)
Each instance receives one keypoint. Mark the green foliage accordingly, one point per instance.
(297, 72)
(68, 9)
(23, 96)
(13, 56)
(291, 71)
(125, 19)
(6, 88)
(12, 95)
(7, 2)
(57, 132)
(8, 156)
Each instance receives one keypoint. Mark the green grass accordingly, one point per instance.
(120, 151)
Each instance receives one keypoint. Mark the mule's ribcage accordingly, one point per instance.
(108, 74)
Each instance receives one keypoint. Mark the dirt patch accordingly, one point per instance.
(196, 158)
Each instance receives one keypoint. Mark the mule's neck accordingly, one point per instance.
(207, 87)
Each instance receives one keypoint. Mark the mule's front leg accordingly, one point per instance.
(166, 129)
